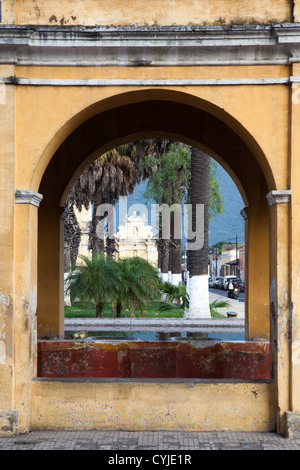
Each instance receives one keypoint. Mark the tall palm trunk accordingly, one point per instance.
(99, 309)
(96, 243)
(175, 247)
(171, 247)
(165, 248)
(198, 258)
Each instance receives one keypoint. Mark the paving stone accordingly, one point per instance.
(168, 441)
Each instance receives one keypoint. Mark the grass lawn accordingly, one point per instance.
(87, 310)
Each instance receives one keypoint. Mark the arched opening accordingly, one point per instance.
(155, 114)
(133, 179)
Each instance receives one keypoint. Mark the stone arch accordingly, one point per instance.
(151, 113)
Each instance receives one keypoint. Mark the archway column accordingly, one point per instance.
(51, 271)
(24, 323)
(280, 300)
(257, 324)
(293, 416)
(8, 415)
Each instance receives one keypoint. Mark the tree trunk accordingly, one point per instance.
(165, 246)
(198, 258)
(119, 310)
(171, 247)
(96, 243)
(67, 258)
(99, 309)
(176, 255)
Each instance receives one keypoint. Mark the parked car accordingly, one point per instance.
(216, 282)
(220, 282)
(226, 280)
(210, 282)
(240, 284)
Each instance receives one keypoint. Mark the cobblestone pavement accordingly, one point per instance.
(170, 442)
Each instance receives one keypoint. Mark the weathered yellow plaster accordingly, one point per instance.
(138, 405)
(116, 12)
(35, 123)
(57, 111)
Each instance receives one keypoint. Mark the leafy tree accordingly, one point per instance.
(170, 176)
(216, 200)
(219, 246)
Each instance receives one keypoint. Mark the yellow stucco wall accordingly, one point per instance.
(116, 12)
(56, 110)
(36, 119)
(190, 406)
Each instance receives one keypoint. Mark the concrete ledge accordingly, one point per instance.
(156, 324)
(292, 424)
(8, 423)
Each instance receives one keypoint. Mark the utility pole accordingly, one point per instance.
(236, 251)
(216, 252)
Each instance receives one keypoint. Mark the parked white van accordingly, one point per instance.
(226, 280)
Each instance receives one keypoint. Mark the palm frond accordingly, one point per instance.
(216, 305)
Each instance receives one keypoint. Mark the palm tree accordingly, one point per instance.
(114, 175)
(216, 304)
(140, 285)
(117, 172)
(176, 297)
(167, 185)
(110, 176)
(198, 258)
(97, 280)
(72, 236)
(106, 179)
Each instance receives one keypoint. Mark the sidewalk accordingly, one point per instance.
(237, 306)
(169, 442)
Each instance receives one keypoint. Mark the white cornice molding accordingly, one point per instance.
(144, 82)
(278, 197)
(28, 197)
(145, 46)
